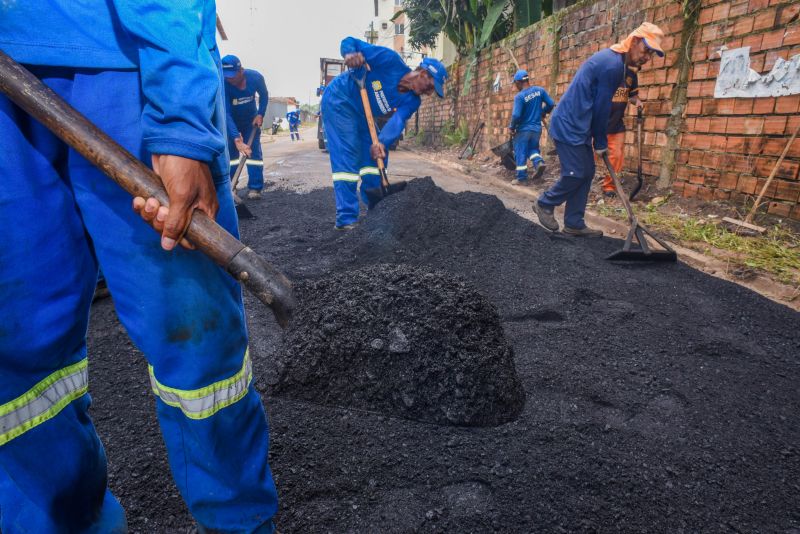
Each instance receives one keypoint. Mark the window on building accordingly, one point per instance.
(399, 29)
(398, 2)
(385, 25)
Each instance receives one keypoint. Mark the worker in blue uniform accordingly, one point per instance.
(243, 87)
(531, 104)
(581, 121)
(294, 123)
(391, 85)
(157, 92)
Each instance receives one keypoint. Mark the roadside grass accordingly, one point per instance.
(777, 252)
(453, 135)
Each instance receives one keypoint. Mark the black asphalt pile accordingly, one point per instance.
(657, 397)
(404, 341)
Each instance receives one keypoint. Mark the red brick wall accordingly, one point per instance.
(722, 148)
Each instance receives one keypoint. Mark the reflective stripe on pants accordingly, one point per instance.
(43, 401)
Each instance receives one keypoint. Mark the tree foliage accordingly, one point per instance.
(469, 24)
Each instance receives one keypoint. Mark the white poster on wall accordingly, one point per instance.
(737, 80)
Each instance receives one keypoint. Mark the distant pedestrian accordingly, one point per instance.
(531, 104)
(581, 120)
(294, 124)
(241, 88)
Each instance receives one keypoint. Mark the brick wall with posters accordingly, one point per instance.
(697, 145)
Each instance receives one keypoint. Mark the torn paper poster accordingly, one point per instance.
(737, 80)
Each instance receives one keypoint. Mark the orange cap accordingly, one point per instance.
(649, 33)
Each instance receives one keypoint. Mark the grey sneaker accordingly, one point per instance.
(345, 227)
(517, 181)
(546, 217)
(583, 232)
(254, 194)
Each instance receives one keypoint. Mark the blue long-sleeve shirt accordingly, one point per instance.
(293, 117)
(582, 113)
(529, 106)
(172, 44)
(240, 104)
(386, 70)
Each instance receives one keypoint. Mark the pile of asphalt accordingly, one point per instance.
(657, 397)
(401, 340)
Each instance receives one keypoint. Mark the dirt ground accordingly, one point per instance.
(658, 398)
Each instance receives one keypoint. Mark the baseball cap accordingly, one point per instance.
(437, 71)
(230, 66)
(651, 35)
(521, 75)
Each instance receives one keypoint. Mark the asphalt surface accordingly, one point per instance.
(658, 398)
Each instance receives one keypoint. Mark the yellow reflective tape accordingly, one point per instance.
(36, 390)
(368, 170)
(234, 162)
(195, 403)
(345, 177)
(76, 372)
(522, 168)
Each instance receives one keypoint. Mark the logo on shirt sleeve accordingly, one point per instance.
(376, 85)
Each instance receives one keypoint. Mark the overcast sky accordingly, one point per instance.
(284, 39)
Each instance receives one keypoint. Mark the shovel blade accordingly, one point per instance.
(243, 212)
(640, 255)
(377, 194)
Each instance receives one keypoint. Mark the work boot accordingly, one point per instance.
(345, 227)
(609, 194)
(539, 171)
(583, 232)
(546, 217)
(254, 194)
(517, 181)
(100, 291)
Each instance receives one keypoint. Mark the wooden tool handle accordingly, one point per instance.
(242, 159)
(30, 94)
(749, 218)
(373, 131)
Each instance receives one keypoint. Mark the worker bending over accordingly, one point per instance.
(531, 104)
(241, 88)
(158, 93)
(294, 123)
(627, 92)
(390, 85)
(581, 121)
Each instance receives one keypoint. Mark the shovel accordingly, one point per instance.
(376, 194)
(639, 180)
(268, 284)
(643, 252)
(242, 211)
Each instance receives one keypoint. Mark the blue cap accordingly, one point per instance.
(437, 71)
(231, 66)
(521, 75)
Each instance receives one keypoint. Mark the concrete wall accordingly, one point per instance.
(696, 144)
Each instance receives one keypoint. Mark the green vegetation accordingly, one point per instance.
(777, 252)
(469, 24)
(453, 135)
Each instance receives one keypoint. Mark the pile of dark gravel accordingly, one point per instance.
(404, 341)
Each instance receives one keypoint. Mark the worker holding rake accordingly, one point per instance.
(391, 85)
(580, 123)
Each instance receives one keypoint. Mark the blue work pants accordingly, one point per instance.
(348, 144)
(255, 163)
(577, 173)
(526, 147)
(60, 216)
